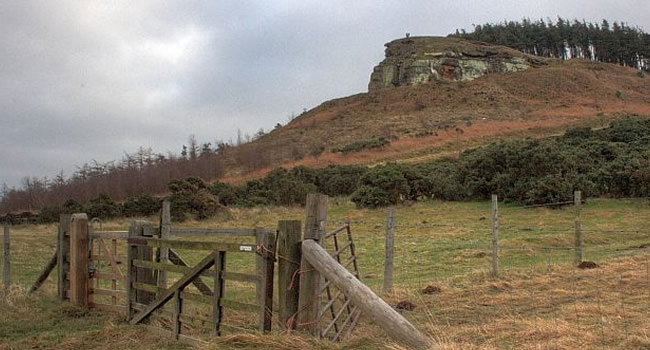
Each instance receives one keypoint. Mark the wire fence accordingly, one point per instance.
(442, 265)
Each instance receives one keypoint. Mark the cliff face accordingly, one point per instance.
(418, 60)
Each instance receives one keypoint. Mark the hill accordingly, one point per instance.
(439, 117)
(430, 98)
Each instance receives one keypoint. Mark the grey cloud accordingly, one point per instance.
(91, 79)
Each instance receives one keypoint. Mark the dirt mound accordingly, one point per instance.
(405, 305)
(430, 289)
(586, 265)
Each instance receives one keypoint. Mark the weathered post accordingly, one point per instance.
(390, 250)
(579, 241)
(178, 310)
(131, 273)
(218, 288)
(267, 250)
(289, 254)
(144, 275)
(259, 263)
(79, 259)
(7, 260)
(310, 281)
(63, 256)
(165, 232)
(495, 235)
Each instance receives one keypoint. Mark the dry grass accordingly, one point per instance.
(540, 301)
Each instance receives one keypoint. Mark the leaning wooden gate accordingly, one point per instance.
(339, 316)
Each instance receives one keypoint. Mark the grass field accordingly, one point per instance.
(540, 300)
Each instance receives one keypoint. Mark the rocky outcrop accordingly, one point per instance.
(419, 60)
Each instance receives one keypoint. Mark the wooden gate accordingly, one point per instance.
(147, 297)
(129, 272)
(107, 287)
(338, 316)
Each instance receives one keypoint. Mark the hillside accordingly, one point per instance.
(430, 98)
(440, 117)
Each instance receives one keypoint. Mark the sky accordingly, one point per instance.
(83, 80)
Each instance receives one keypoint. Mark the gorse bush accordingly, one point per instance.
(613, 161)
(191, 196)
(103, 207)
(143, 206)
(357, 146)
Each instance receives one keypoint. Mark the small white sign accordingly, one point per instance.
(245, 248)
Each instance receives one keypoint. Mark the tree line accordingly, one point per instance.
(615, 42)
(135, 174)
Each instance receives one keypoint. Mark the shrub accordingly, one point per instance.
(390, 180)
(371, 197)
(358, 146)
(580, 133)
(50, 213)
(338, 180)
(71, 206)
(192, 197)
(103, 207)
(145, 205)
(226, 194)
(286, 189)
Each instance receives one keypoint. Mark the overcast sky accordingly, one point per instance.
(82, 80)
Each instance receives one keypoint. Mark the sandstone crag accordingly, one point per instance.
(419, 60)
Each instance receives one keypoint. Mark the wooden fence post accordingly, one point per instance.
(131, 273)
(266, 301)
(579, 241)
(311, 280)
(165, 232)
(178, 310)
(495, 235)
(63, 256)
(79, 259)
(259, 264)
(144, 275)
(289, 256)
(7, 260)
(218, 289)
(390, 250)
